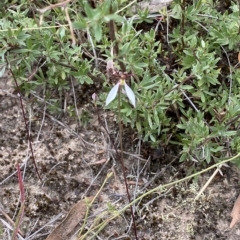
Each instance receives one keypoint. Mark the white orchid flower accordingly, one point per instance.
(113, 93)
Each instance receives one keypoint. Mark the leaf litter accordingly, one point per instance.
(75, 215)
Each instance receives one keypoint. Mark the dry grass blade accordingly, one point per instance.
(235, 214)
(22, 200)
(74, 216)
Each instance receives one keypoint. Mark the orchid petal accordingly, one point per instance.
(112, 94)
(130, 95)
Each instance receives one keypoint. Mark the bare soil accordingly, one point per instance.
(74, 161)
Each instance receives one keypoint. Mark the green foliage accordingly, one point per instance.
(191, 101)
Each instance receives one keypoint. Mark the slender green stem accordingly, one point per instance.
(89, 206)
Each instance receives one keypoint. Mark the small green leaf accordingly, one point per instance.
(98, 32)
(88, 10)
(203, 99)
(138, 126)
(187, 87)
(181, 126)
(80, 25)
(156, 118)
(152, 138)
(183, 157)
(150, 121)
(114, 17)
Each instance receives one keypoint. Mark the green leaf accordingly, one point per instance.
(88, 10)
(138, 126)
(228, 133)
(152, 138)
(98, 32)
(150, 121)
(187, 87)
(181, 126)
(156, 118)
(183, 157)
(203, 99)
(80, 25)
(216, 149)
(114, 17)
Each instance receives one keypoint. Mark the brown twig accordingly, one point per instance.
(51, 6)
(22, 201)
(25, 121)
(70, 26)
(112, 31)
(63, 5)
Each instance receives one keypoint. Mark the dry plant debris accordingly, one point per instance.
(74, 216)
(235, 214)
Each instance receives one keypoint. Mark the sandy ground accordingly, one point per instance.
(73, 162)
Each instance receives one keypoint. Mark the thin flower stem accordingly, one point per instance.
(121, 158)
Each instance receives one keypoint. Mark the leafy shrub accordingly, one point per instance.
(182, 74)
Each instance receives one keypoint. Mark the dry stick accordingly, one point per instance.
(22, 200)
(70, 26)
(75, 101)
(112, 30)
(208, 182)
(51, 6)
(25, 121)
(64, 6)
(93, 49)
